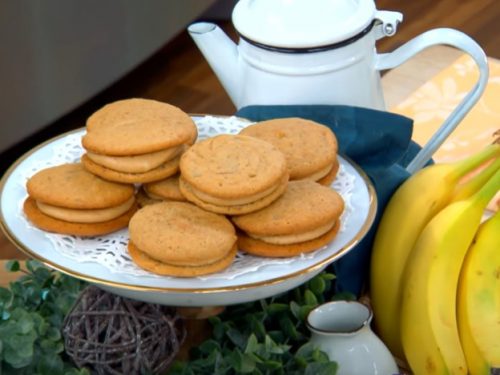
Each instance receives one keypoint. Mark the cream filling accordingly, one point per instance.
(320, 174)
(289, 239)
(136, 163)
(239, 201)
(85, 216)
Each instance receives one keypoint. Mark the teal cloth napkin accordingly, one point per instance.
(379, 142)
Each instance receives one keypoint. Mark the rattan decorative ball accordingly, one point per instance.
(109, 334)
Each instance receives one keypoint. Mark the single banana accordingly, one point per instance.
(479, 300)
(429, 330)
(415, 202)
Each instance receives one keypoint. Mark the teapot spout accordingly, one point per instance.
(220, 52)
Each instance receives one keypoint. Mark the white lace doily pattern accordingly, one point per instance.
(111, 252)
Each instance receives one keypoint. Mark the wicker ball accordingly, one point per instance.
(109, 334)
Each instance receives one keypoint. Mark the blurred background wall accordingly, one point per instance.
(56, 54)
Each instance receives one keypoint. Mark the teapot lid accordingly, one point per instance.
(302, 23)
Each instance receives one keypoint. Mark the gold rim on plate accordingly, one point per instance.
(115, 284)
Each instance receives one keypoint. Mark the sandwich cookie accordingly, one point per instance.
(158, 191)
(137, 140)
(181, 239)
(68, 199)
(233, 174)
(305, 218)
(309, 147)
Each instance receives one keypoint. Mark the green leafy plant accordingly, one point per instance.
(32, 311)
(264, 337)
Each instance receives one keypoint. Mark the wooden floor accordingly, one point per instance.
(179, 75)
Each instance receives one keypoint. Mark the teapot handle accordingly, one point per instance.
(430, 38)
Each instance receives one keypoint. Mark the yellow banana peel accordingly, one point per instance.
(478, 294)
(412, 206)
(429, 330)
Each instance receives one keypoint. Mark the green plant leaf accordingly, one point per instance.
(50, 365)
(273, 347)
(327, 276)
(310, 298)
(257, 326)
(295, 309)
(209, 346)
(317, 285)
(304, 312)
(329, 368)
(237, 338)
(252, 344)
(243, 363)
(12, 266)
(32, 265)
(277, 308)
(32, 313)
(288, 328)
(305, 351)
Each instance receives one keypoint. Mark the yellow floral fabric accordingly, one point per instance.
(431, 104)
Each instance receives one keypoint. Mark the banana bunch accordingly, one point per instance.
(478, 309)
(410, 209)
(429, 328)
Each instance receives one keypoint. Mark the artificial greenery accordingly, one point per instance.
(265, 337)
(262, 337)
(32, 311)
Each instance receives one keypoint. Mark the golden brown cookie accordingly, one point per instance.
(302, 219)
(136, 163)
(183, 235)
(150, 264)
(163, 171)
(143, 199)
(330, 177)
(167, 189)
(50, 224)
(264, 249)
(137, 140)
(309, 147)
(234, 209)
(68, 199)
(137, 126)
(72, 186)
(232, 170)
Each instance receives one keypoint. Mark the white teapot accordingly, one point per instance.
(321, 52)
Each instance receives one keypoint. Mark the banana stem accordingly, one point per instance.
(467, 165)
(490, 188)
(465, 190)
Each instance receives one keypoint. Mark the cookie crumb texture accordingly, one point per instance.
(309, 147)
(304, 206)
(72, 186)
(305, 218)
(137, 126)
(233, 166)
(181, 234)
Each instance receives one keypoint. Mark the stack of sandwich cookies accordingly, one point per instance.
(181, 239)
(68, 199)
(137, 140)
(158, 191)
(309, 147)
(233, 174)
(305, 218)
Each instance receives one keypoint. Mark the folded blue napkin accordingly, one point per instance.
(379, 142)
